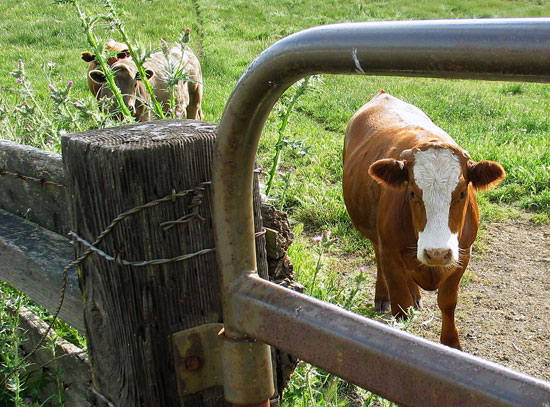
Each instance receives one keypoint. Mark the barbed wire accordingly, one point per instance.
(42, 181)
(123, 262)
(102, 397)
(198, 193)
(167, 198)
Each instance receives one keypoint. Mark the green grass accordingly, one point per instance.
(507, 122)
(25, 383)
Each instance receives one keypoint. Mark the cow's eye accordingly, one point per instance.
(413, 195)
(463, 195)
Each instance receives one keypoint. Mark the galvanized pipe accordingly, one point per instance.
(406, 369)
(500, 49)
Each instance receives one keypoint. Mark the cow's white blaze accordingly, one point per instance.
(436, 172)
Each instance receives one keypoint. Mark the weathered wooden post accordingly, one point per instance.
(140, 195)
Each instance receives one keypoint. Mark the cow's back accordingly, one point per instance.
(384, 113)
(382, 128)
(179, 58)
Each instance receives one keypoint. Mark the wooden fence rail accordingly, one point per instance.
(34, 222)
(33, 185)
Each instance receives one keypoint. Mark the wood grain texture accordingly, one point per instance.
(131, 311)
(32, 183)
(32, 260)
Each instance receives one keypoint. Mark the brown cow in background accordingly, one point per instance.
(411, 190)
(188, 93)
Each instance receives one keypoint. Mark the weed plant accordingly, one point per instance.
(284, 110)
(138, 54)
(40, 123)
(139, 58)
(23, 384)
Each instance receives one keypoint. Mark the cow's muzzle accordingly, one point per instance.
(437, 257)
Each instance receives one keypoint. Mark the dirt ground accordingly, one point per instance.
(503, 311)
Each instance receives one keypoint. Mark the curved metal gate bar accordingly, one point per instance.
(403, 368)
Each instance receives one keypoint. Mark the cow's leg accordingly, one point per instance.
(446, 300)
(396, 281)
(182, 100)
(381, 297)
(194, 110)
(415, 293)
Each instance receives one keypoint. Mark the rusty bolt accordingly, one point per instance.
(192, 363)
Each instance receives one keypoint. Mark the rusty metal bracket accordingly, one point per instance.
(197, 358)
(200, 364)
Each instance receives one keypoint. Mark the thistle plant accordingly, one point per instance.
(56, 373)
(323, 243)
(288, 106)
(40, 123)
(139, 58)
(26, 121)
(185, 37)
(10, 356)
(175, 71)
(98, 48)
(359, 284)
(22, 383)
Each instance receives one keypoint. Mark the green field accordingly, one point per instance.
(502, 121)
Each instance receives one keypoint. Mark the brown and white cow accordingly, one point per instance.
(188, 94)
(411, 190)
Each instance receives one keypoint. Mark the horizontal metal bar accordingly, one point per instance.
(408, 370)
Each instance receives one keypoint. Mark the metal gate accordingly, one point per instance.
(408, 370)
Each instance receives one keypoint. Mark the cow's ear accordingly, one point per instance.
(485, 174)
(148, 72)
(389, 172)
(88, 56)
(97, 76)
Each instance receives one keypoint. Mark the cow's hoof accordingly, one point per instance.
(381, 305)
(418, 303)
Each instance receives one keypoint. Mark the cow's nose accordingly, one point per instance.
(438, 257)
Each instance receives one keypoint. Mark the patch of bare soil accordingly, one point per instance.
(503, 311)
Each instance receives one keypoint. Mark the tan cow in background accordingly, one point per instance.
(188, 93)
(411, 190)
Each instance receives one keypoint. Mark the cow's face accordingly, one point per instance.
(127, 81)
(439, 181)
